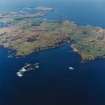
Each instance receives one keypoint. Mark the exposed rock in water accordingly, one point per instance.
(27, 68)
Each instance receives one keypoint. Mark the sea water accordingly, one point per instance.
(53, 83)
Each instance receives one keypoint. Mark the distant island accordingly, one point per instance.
(26, 32)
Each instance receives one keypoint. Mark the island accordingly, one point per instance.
(27, 31)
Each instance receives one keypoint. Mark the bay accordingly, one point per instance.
(53, 83)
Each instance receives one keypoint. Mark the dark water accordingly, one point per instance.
(53, 83)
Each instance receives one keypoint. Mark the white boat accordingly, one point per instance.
(71, 68)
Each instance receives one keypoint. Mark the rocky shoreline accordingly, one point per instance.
(31, 34)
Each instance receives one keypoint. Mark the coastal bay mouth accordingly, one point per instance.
(53, 69)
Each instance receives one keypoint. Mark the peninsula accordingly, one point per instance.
(26, 31)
